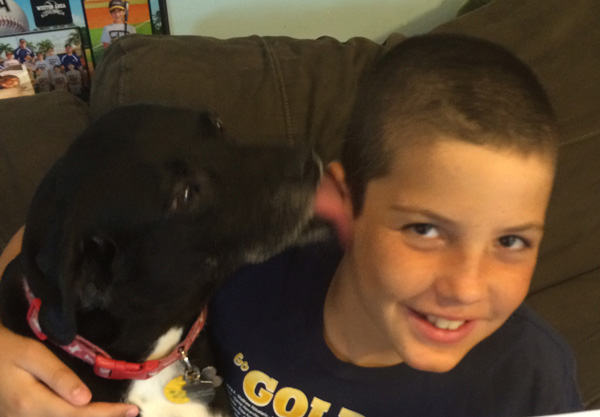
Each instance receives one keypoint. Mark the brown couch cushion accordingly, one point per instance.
(570, 256)
(560, 40)
(264, 88)
(572, 242)
(36, 130)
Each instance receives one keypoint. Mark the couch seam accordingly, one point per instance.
(282, 90)
(581, 138)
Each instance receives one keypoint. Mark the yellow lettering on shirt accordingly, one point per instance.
(290, 402)
(259, 388)
(318, 407)
(344, 412)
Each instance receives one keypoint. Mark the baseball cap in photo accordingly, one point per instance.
(116, 4)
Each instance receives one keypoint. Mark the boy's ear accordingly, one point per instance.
(338, 206)
(336, 171)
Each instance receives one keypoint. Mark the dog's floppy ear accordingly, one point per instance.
(59, 262)
(43, 259)
(83, 278)
(57, 312)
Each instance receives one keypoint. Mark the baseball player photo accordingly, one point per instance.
(119, 27)
(58, 62)
(113, 19)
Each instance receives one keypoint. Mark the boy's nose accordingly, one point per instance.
(463, 281)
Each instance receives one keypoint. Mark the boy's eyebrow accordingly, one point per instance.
(445, 220)
(425, 212)
(526, 226)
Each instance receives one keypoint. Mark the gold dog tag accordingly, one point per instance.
(174, 391)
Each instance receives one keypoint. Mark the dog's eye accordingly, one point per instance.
(184, 197)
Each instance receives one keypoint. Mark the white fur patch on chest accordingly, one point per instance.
(149, 394)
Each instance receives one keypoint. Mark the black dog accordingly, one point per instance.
(131, 232)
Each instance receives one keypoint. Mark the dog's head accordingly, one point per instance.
(147, 211)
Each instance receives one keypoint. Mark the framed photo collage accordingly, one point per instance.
(48, 45)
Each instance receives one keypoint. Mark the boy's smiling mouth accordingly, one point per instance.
(438, 329)
(442, 323)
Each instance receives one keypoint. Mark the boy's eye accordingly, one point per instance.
(424, 229)
(513, 242)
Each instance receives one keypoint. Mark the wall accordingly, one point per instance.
(342, 19)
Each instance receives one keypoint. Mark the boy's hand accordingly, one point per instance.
(34, 383)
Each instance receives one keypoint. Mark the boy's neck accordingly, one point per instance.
(348, 330)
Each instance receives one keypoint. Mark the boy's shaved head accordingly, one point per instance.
(444, 85)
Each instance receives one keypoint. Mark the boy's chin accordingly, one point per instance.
(435, 363)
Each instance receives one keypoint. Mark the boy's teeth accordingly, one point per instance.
(443, 323)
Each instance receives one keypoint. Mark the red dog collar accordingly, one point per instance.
(104, 365)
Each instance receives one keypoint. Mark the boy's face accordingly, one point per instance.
(10, 82)
(443, 251)
(118, 15)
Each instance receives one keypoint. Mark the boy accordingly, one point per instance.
(74, 80)
(119, 27)
(42, 81)
(59, 80)
(52, 59)
(41, 63)
(11, 61)
(441, 196)
(9, 81)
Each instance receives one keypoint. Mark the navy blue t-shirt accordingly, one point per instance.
(268, 332)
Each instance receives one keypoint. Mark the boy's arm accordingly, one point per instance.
(33, 382)
(12, 249)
